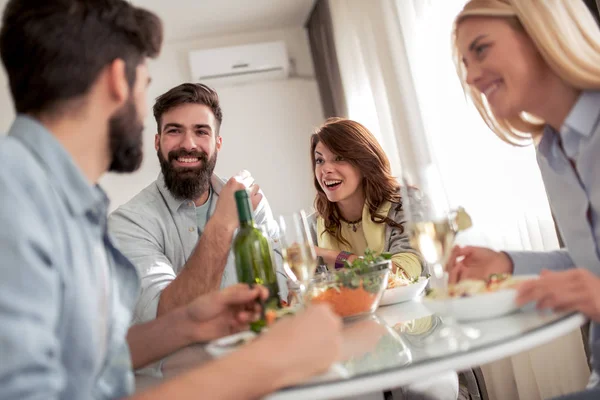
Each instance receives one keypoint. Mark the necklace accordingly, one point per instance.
(352, 224)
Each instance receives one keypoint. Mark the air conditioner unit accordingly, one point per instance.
(227, 66)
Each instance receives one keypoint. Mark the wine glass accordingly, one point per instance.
(432, 228)
(298, 250)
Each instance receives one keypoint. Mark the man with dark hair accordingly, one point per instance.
(178, 231)
(78, 77)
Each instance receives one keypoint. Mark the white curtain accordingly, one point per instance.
(400, 82)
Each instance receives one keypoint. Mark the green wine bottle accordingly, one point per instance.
(253, 259)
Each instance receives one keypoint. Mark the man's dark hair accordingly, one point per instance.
(54, 50)
(592, 5)
(188, 93)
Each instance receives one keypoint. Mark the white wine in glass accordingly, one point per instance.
(298, 250)
(434, 240)
(299, 258)
(432, 228)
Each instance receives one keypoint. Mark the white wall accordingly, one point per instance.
(265, 129)
(7, 113)
(266, 125)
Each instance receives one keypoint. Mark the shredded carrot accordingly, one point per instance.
(346, 301)
(270, 316)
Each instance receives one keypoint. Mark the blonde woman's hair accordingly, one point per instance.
(567, 37)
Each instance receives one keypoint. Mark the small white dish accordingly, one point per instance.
(480, 306)
(225, 345)
(404, 293)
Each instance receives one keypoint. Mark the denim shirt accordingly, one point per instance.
(66, 293)
(574, 195)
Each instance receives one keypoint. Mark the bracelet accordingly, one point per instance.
(341, 258)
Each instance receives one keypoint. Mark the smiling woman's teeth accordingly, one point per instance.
(491, 89)
(332, 183)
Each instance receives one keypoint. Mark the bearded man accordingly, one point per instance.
(178, 231)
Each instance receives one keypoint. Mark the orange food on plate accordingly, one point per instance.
(345, 301)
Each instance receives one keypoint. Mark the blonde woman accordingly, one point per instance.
(532, 69)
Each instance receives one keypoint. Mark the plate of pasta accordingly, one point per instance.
(400, 288)
(478, 299)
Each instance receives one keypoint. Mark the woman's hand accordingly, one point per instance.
(471, 262)
(572, 290)
(329, 256)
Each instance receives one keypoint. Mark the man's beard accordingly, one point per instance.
(125, 132)
(187, 183)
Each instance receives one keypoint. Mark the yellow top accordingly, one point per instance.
(358, 243)
(368, 235)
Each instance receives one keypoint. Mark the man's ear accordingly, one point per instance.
(117, 81)
(156, 141)
(219, 142)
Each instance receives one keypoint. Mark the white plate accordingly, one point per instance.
(404, 293)
(225, 345)
(480, 306)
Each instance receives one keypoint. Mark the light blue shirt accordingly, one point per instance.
(203, 212)
(573, 193)
(66, 293)
(158, 233)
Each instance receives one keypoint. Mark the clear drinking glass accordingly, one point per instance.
(298, 250)
(432, 228)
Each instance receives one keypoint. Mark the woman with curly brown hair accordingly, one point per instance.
(359, 206)
(358, 200)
